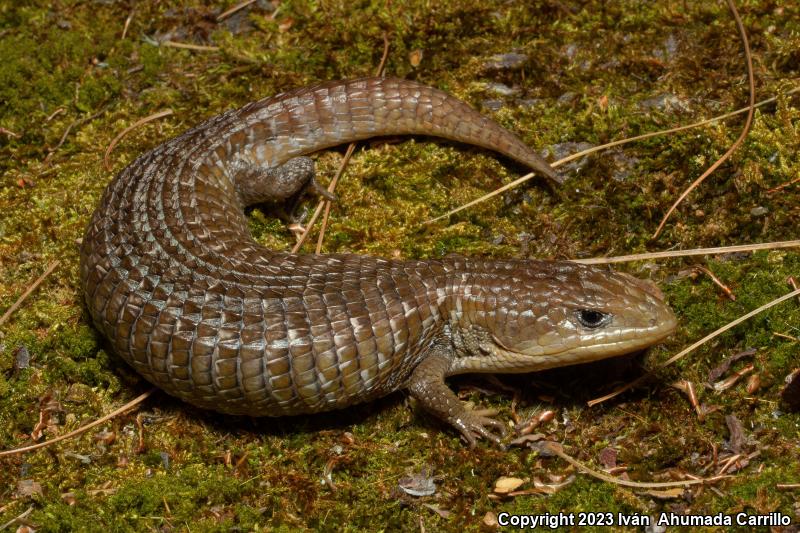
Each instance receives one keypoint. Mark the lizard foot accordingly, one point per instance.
(316, 187)
(473, 426)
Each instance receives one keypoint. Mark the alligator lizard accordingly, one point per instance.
(174, 280)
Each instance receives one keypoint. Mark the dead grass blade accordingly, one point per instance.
(606, 146)
(558, 450)
(347, 155)
(238, 7)
(745, 130)
(136, 401)
(601, 147)
(78, 121)
(310, 224)
(688, 253)
(783, 185)
(350, 149)
(28, 292)
(126, 26)
(189, 46)
(123, 133)
(694, 346)
(19, 518)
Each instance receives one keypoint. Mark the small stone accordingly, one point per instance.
(668, 49)
(84, 459)
(490, 519)
(562, 150)
(106, 437)
(504, 485)
(501, 89)
(624, 166)
(27, 488)
(608, 456)
(419, 484)
(666, 103)
(79, 393)
(655, 528)
(510, 61)
(568, 97)
(671, 46)
(759, 211)
(531, 102)
(22, 358)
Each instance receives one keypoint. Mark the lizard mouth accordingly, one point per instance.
(502, 358)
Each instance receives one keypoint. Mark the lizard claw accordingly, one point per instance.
(317, 188)
(473, 426)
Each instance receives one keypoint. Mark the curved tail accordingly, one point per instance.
(328, 114)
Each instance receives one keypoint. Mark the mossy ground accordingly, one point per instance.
(594, 73)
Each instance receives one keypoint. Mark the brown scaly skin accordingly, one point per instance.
(174, 280)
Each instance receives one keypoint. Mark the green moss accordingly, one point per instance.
(590, 73)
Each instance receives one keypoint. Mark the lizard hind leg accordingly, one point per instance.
(258, 184)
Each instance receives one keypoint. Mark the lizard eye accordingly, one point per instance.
(589, 318)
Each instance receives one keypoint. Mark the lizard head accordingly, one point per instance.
(525, 316)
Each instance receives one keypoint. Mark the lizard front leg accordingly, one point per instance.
(427, 386)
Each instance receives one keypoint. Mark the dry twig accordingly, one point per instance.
(238, 7)
(601, 147)
(745, 129)
(694, 346)
(727, 290)
(51, 152)
(350, 149)
(189, 46)
(334, 182)
(127, 24)
(557, 449)
(783, 185)
(310, 224)
(792, 283)
(136, 401)
(54, 114)
(379, 72)
(689, 253)
(28, 292)
(16, 519)
(123, 133)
